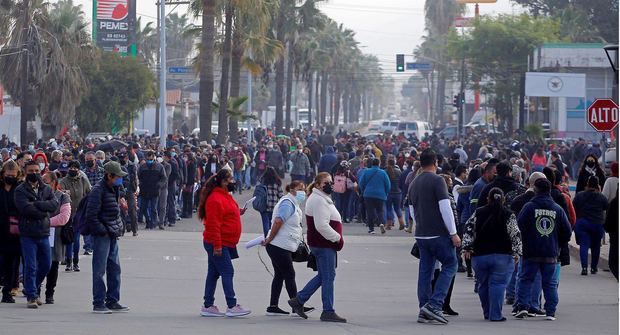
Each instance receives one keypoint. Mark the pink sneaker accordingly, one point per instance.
(211, 311)
(237, 311)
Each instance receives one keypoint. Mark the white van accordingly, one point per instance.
(389, 126)
(414, 128)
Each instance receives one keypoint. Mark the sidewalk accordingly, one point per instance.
(603, 262)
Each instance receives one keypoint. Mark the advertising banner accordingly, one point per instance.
(114, 25)
(554, 84)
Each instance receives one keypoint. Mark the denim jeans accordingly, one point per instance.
(493, 273)
(535, 290)
(171, 208)
(589, 235)
(326, 265)
(511, 289)
(353, 204)
(106, 262)
(342, 204)
(248, 177)
(148, 208)
(219, 266)
(549, 284)
(266, 218)
(393, 205)
(435, 249)
(576, 166)
(37, 256)
(374, 212)
(72, 251)
(88, 243)
(239, 180)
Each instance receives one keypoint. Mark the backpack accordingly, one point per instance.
(79, 220)
(260, 203)
(340, 184)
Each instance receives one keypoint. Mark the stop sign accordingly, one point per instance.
(603, 115)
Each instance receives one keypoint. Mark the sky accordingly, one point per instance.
(383, 28)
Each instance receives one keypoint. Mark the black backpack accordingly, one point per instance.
(260, 203)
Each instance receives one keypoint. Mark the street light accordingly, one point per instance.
(612, 54)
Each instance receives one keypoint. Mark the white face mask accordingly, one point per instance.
(407, 155)
(13, 157)
(42, 166)
(159, 159)
(235, 148)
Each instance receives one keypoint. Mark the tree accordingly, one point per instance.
(222, 126)
(207, 53)
(147, 42)
(119, 88)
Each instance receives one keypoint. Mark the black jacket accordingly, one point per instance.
(582, 179)
(103, 213)
(591, 206)
(152, 179)
(9, 243)
(506, 184)
(35, 207)
(174, 173)
(132, 178)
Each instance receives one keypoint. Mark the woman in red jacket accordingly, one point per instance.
(222, 223)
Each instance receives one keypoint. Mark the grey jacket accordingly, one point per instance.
(301, 164)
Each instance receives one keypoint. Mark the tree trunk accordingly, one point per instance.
(222, 126)
(280, 34)
(324, 81)
(352, 111)
(337, 95)
(310, 101)
(316, 100)
(345, 104)
(235, 79)
(289, 84)
(206, 68)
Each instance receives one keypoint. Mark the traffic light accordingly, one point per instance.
(462, 98)
(456, 101)
(400, 63)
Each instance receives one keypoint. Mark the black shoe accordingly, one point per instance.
(332, 317)
(584, 271)
(449, 311)
(76, 267)
(117, 308)
(161, 227)
(171, 225)
(49, 300)
(521, 313)
(500, 320)
(307, 310)
(101, 310)
(470, 275)
(423, 319)
(510, 301)
(276, 311)
(461, 269)
(69, 268)
(135, 234)
(8, 299)
(88, 252)
(533, 312)
(593, 271)
(297, 308)
(433, 313)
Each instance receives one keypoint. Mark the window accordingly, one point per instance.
(412, 126)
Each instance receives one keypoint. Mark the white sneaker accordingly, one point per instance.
(237, 311)
(550, 318)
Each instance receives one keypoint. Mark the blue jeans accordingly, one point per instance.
(436, 249)
(219, 266)
(148, 208)
(353, 206)
(73, 249)
(493, 273)
(266, 218)
(549, 284)
(535, 291)
(589, 235)
(326, 264)
(106, 262)
(393, 205)
(342, 204)
(248, 177)
(239, 180)
(88, 243)
(575, 171)
(37, 256)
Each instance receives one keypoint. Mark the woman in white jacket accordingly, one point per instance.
(282, 240)
(324, 240)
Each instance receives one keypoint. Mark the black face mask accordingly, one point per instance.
(328, 188)
(231, 187)
(10, 180)
(73, 173)
(90, 164)
(590, 164)
(32, 177)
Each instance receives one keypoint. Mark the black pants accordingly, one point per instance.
(613, 258)
(10, 272)
(51, 280)
(284, 272)
(133, 216)
(172, 205)
(374, 212)
(446, 301)
(187, 205)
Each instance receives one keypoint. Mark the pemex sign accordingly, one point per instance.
(114, 25)
(603, 115)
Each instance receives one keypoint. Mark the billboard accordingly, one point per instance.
(114, 25)
(553, 84)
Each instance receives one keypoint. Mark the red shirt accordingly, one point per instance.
(223, 221)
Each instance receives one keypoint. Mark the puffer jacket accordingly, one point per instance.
(35, 207)
(103, 213)
(152, 179)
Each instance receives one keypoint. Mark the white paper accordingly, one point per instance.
(247, 203)
(52, 235)
(255, 242)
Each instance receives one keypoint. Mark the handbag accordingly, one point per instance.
(13, 225)
(351, 185)
(312, 262)
(302, 254)
(415, 250)
(66, 233)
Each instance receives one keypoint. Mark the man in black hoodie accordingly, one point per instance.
(35, 201)
(503, 181)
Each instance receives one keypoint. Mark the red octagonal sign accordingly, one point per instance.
(603, 115)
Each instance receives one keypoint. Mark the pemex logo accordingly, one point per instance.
(112, 9)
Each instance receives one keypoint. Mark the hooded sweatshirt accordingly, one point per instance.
(328, 161)
(544, 228)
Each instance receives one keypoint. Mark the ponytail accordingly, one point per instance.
(496, 204)
(317, 180)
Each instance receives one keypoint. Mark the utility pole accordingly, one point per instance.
(26, 101)
(461, 108)
(158, 105)
(162, 74)
(249, 102)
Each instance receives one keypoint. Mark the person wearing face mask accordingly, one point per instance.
(104, 223)
(172, 184)
(275, 159)
(41, 159)
(221, 217)
(152, 177)
(10, 246)
(324, 239)
(282, 241)
(238, 159)
(100, 156)
(163, 192)
(130, 182)
(35, 202)
(260, 159)
(590, 167)
(301, 165)
(78, 187)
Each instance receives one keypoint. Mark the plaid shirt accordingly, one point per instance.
(95, 176)
(274, 193)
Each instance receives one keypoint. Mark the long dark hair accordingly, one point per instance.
(474, 175)
(496, 204)
(211, 183)
(270, 177)
(597, 166)
(390, 167)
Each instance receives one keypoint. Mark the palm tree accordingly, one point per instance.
(207, 53)
(147, 42)
(222, 126)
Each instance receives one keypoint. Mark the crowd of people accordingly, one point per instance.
(496, 209)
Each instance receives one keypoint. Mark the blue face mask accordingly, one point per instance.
(118, 181)
(300, 196)
(31, 147)
(174, 154)
(150, 161)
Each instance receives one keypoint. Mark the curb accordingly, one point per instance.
(603, 262)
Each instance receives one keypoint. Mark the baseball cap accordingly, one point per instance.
(114, 168)
(63, 166)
